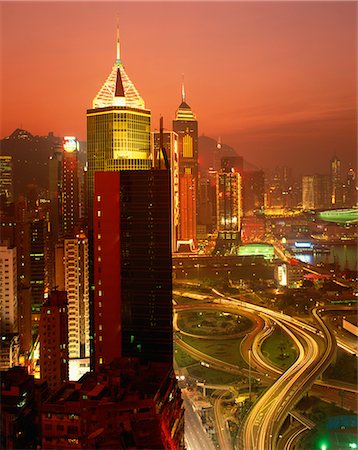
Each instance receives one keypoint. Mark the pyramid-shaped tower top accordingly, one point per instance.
(118, 89)
(184, 111)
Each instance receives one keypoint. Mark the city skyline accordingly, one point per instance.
(251, 76)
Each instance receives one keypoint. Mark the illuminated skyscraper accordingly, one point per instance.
(118, 129)
(8, 290)
(6, 181)
(315, 191)
(170, 144)
(229, 209)
(70, 185)
(186, 126)
(76, 286)
(55, 188)
(350, 191)
(336, 183)
(37, 269)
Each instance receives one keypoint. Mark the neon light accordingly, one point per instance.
(303, 245)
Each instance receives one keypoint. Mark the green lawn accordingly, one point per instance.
(206, 323)
(228, 350)
(211, 376)
(280, 349)
(182, 358)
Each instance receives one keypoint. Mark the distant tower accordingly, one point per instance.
(351, 189)
(186, 126)
(6, 180)
(54, 340)
(118, 129)
(170, 144)
(37, 269)
(315, 191)
(253, 191)
(229, 207)
(70, 185)
(8, 290)
(55, 189)
(336, 183)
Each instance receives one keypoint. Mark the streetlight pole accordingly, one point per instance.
(250, 375)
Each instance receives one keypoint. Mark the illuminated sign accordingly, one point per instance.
(303, 244)
(70, 144)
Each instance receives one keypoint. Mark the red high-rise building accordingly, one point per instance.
(53, 333)
(186, 126)
(132, 266)
(70, 185)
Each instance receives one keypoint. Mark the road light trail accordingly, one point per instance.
(263, 423)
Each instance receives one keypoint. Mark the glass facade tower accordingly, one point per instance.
(118, 129)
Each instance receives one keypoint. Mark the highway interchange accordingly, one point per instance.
(316, 346)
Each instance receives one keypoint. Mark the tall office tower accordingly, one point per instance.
(8, 290)
(229, 209)
(169, 141)
(37, 269)
(308, 190)
(55, 189)
(350, 190)
(133, 282)
(253, 192)
(23, 241)
(77, 288)
(6, 180)
(205, 208)
(186, 126)
(118, 129)
(336, 183)
(70, 185)
(315, 191)
(54, 339)
(232, 163)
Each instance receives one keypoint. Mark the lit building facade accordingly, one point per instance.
(77, 288)
(6, 180)
(350, 189)
(8, 290)
(132, 266)
(118, 129)
(170, 144)
(186, 126)
(315, 191)
(336, 183)
(55, 188)
(37, 269)
(70, 185)
(289, 275)
(54, 339)
(229, 208)
(9, 351)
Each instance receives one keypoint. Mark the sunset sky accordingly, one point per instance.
(276, 80)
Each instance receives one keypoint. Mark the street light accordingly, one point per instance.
(250, 375)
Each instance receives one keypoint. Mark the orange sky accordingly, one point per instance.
(276, 80)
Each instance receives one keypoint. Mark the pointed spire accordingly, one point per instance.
(182, 89)
(119, 91)
(118, 44)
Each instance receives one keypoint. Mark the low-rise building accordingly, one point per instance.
(124, 405)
